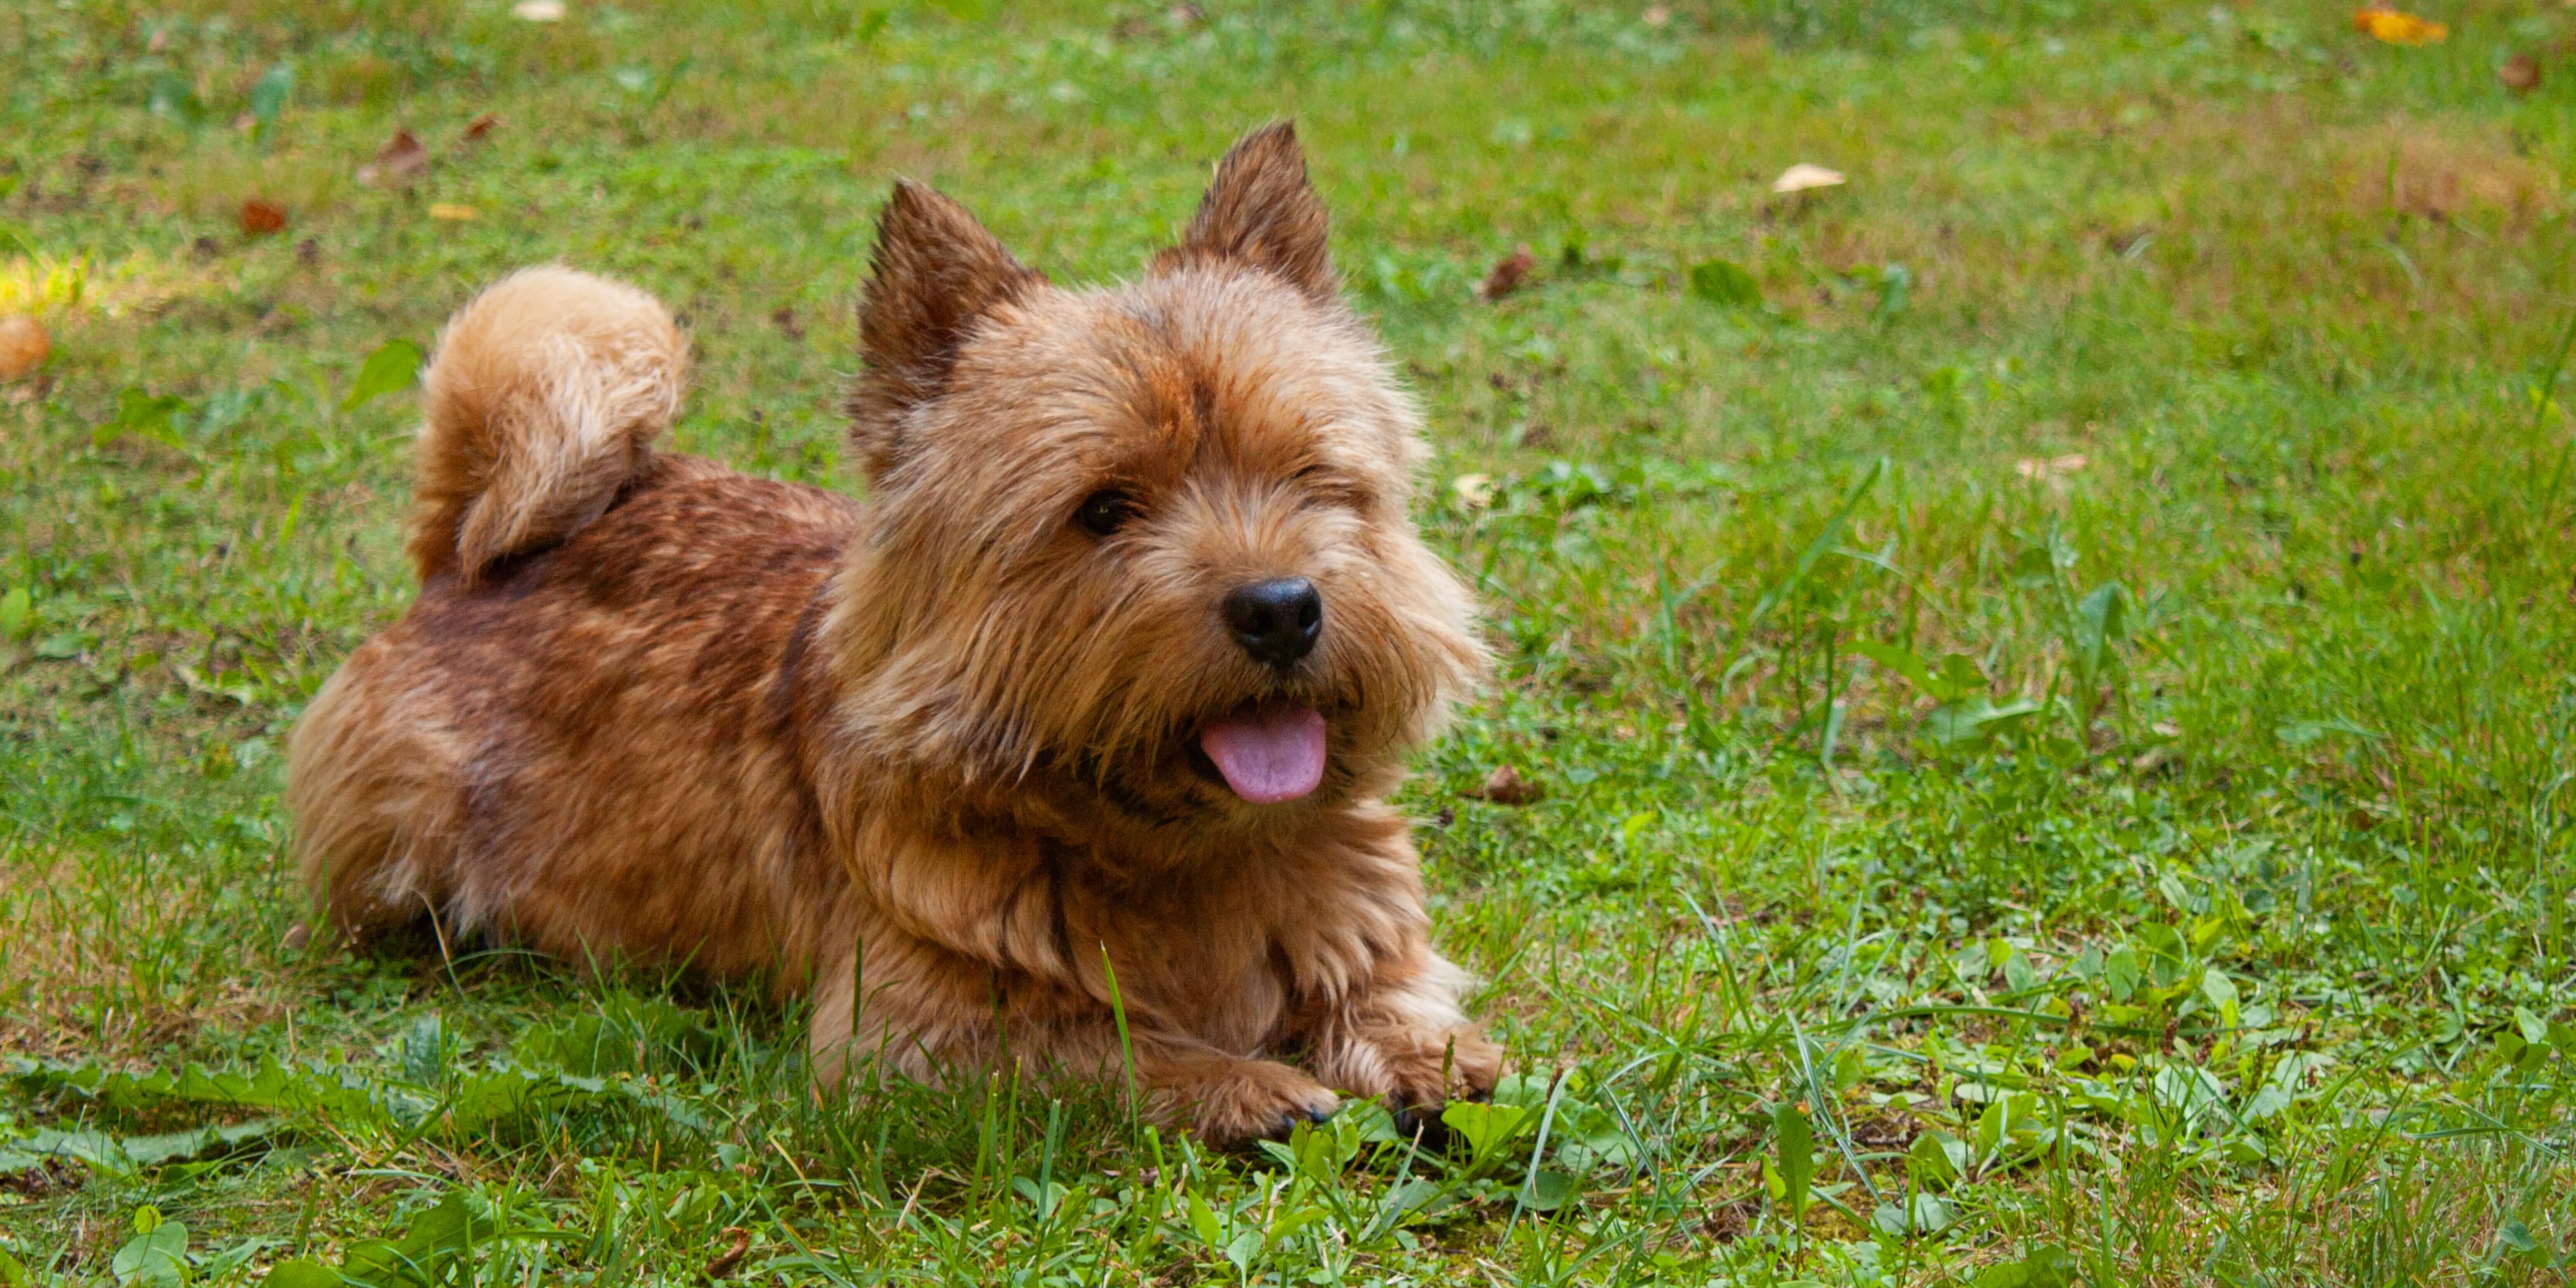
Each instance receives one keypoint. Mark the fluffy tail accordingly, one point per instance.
(543, 401)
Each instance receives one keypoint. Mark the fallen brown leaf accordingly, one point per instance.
(727, 1261)
(480, 127)
(1505, 786)
(23, 345)
(1508, 276)
(400, 160)
(261, 217)
(2520, 73)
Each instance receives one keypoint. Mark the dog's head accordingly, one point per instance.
(1141, 554)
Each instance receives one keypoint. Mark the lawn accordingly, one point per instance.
(2045, 668)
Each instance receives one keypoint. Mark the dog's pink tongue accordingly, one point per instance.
(1269, 756)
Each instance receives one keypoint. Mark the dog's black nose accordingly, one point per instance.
(1276, 621)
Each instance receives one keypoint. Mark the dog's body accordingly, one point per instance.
(1114, 673)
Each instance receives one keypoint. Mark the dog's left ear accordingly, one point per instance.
(1261, 212)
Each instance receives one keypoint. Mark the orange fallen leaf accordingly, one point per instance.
(261, 217)
(400, 160)
(452, 212)
(1508, 276)
(2520, 73)
(2390, 27)
(23, 345)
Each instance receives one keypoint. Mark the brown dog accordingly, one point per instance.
(1115, 671)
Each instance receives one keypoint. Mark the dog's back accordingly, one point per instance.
(587, 605)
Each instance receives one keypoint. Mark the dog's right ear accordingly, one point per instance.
(935, 273)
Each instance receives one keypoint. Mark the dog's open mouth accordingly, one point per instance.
(1268, 753)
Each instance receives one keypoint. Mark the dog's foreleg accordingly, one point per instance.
(937, 1015)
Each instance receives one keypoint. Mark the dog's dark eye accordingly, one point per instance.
(1106, 511)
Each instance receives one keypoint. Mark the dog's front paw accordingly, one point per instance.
(1249, 1100)
(1475, 1065)
(1428, 1072)
(1425, 1077)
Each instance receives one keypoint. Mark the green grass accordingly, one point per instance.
(2055, 722)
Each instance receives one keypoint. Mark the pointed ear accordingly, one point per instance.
(1262, 213)
(934, 274)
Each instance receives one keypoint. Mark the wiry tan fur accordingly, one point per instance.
(648, 708)
(549, 391)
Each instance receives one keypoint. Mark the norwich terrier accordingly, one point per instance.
(1113, 672)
